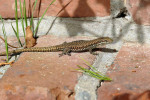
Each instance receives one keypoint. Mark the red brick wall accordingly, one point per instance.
(139, 9)
(73, 8)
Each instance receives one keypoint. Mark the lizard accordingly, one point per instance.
(66, 47)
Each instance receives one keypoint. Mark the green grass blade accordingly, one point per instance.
(16, 17)
(88, 63)
(5, 37)
(24, 13)
(14, 29)
(34, 5)
(22, 20)
(89, 72)
(16, 34)
(31, 22)
(93, 72)
(34, 33)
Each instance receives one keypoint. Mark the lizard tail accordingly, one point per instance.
(34, 49)
(11, 52)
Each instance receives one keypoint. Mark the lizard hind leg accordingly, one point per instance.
(93, 53)
(91, 50)
(66, 51)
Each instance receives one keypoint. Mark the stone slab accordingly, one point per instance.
(44, 71)
(129, 72)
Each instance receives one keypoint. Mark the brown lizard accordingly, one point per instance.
(66, 48)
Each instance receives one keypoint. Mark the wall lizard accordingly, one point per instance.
(66, 47)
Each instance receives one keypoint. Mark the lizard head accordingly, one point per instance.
(105, 40)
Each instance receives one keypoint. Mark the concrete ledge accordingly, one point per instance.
(119, 28)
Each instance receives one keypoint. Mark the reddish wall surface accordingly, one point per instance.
(72, 8)
(140, 11)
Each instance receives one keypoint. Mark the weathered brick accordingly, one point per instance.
(71, 8)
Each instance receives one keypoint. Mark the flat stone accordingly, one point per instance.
(45, 70)
(10, 92)
(129, 73)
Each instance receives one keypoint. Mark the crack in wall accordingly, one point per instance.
(123, 13)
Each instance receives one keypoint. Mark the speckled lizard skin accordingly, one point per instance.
(66, 48)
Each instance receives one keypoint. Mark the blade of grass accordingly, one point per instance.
(5, 37)
(87, 63)
(89, 72)
(31, 22)
(16, 17)
(24, 13)
(34, 33)
(16, 34)
(92, 68)
(22, 20)
(90, 65)
(93, 74)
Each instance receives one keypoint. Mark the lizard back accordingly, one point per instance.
(79, 45)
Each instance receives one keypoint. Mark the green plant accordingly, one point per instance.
(5, 37)
(24, 19)
(93, 72)
(31, 21)
(17, 29)
(24, 13)
(42, 17)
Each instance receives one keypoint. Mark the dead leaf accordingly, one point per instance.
(30, 40)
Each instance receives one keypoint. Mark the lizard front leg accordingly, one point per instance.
(66, 51)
